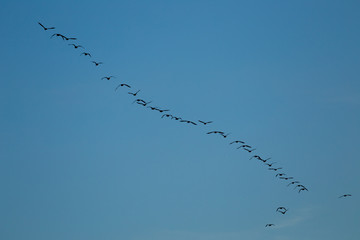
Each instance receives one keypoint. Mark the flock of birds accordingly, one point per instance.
(240, 144)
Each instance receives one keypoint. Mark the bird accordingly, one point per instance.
(249, 150)
(282, 210)
(286, 178)
(176, 118)
(293, 183)
(215, 132)
(269, 225)
(122, 85)
(275, 169)
(345, 195)
(187, 121)
(225, 136)
(259, 158)
(270, 164)
(97, 63)
(86, 54)
(303, 189)
(205, 122)
(142, 102)
(162, 110)
(134, 94)
(76, 46)
(139, 100)
(237, 141)
(108, 78)
(280, 174)
(167, 115)
(244, 146)
(46, 28)
(58, 35)
(300, 186)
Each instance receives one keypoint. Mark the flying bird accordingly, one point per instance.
(205, 122)
(46, 28)
(303, 189)
(249, 150)
(275, 169)
(225, 136)
(270, 164)
(286, 178)
(282, 210)
(244, 146)
(187, 121)
(237, 141)
(86, 54)
(108, 78)
(58, 35)
(167, 115)
(215, 132)
(280, 174)
(97, 63)
(345, 195)
(134, 94)
(269, 225)
(294, 182)
(122, 85)
(75, 46)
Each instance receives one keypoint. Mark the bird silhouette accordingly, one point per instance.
(294, 182)
(205, 122)
(303, 189)
(97, 63)
(345, 195)
(58, 35)
(46, 28)
(244, 146)
(134, 94)
(219, 132)
(300, 186)
(270, 164)
(122, 85)
(108, 78)
(225, 135)
(187, 121)
(237, 141)
(162, 110)
(249, 150)
(167, 115)
(275, 169)
(76, 46)
(280, 174)
(269, 225)
(282, 210)
(176, 118)
(286, 178)
(86, 54)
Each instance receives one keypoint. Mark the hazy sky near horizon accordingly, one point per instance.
(80, 161)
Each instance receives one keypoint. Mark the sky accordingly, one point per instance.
(80, 161)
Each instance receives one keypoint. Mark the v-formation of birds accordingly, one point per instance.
(239, 143)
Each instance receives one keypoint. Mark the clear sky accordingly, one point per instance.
(79, 161)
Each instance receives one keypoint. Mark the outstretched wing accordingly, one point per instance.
(42, 25)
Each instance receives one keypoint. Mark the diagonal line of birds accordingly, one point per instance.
(239, 144)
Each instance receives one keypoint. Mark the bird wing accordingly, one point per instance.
(41, 25)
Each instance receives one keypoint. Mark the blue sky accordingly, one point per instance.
(80, 161)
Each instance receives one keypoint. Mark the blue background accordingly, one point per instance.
(79, 161)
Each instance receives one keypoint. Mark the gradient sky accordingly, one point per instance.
(78, 161)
